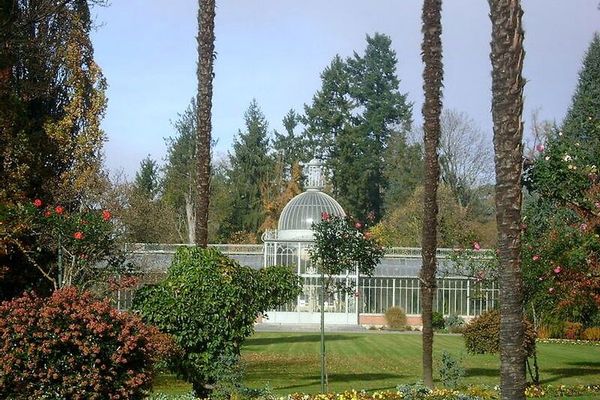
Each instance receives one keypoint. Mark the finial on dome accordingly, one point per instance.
(314, 175)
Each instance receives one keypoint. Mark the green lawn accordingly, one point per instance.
(289, 362)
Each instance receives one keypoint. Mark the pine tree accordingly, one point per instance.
(582, 123)
(250, 168)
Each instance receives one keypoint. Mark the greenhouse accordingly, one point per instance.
(394, 283)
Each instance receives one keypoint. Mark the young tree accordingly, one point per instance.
(507, 56)
(341, 245)
(205, 73)
(432, 107)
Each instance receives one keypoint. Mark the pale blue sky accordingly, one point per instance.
(274, 51)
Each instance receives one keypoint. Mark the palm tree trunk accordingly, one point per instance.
(507, 56)
(206, 54)
(432, 108)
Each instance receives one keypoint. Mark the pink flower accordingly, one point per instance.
(535, 257)
(540, 147)
(106, 215)
(59, 209)
(325, 216)
(38, 203)
(47, 213)
(583, 227)
(476, 246)
(368, 235)
(557, 270)
(358, 225)
(78, 235)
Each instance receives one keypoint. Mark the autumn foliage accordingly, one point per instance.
(74, 346)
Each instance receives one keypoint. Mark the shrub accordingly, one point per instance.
(592, 333)
(395, 318)
(482, 335)
(451, 371)
(437, 320)
(73, 346)
(455, 323)
(573, 330)
(209, 303)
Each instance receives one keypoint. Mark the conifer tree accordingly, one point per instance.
(250, 166)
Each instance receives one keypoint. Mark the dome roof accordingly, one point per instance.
(306, 208)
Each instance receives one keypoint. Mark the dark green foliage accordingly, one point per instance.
(146, 179)
(209, 303)
(341, 244)
(250, 167)
(352, 120)
(437, 320)
(395, 318)
(482, 334)
(291, 147)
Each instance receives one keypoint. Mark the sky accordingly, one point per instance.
(274, 51)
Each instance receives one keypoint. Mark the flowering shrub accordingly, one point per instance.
(73, 346)
(66, 247)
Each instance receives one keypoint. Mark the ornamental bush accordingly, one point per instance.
(73, 346)
(482, 335)
(437, 320)
(209, 303)
(395, 318)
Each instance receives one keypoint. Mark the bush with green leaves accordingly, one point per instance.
(395, 318)
(209, 303)
(437, 320)
(482, 334)
(454, 323)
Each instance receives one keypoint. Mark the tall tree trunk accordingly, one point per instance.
(507, 108)
(432, 108)
(206, 54)
(190, 216)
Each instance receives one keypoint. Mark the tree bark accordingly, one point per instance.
(205, 72)
(432, 108)
(507, 56)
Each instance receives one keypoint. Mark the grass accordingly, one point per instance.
(289, 362)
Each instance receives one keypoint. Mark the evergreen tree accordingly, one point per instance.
(250, 167)
(330, 113)
(180, 172)
(290, 147)
(147, 179)
(403, 171)
(351, 121)
(582, 123)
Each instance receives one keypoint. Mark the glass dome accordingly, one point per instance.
(303, 210)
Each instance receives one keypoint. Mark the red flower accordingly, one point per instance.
(476, 246)
(535, 257)
(325, 216)
(78, 235)
(106, 215)
(38, 203)
(59, 209)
